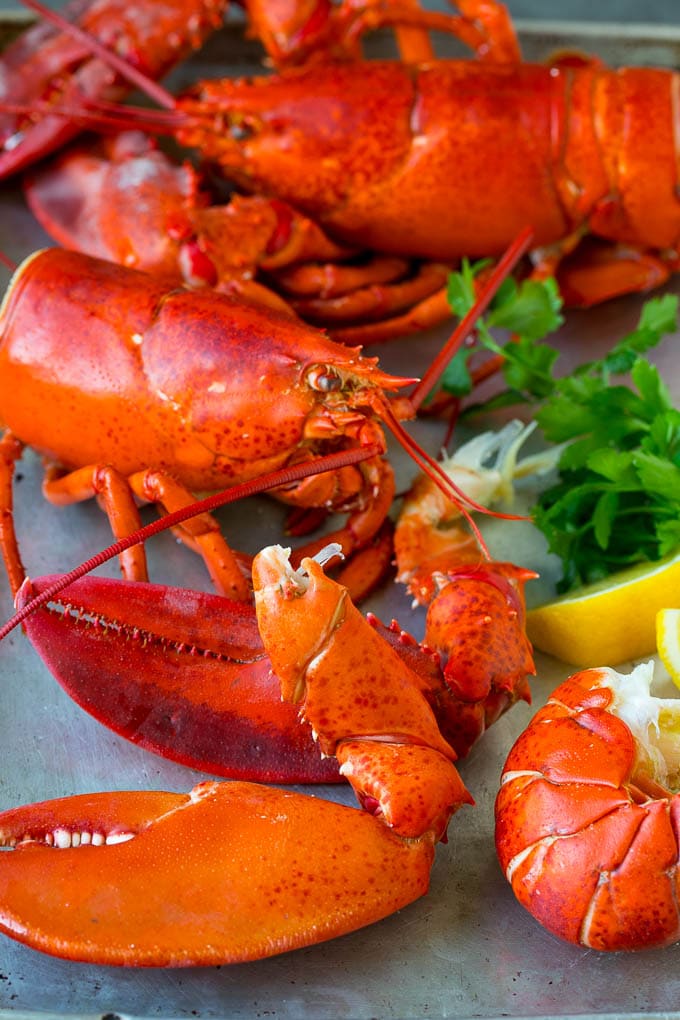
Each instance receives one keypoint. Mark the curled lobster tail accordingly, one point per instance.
(587, 817)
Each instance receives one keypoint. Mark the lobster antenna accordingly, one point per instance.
(503, 268)
(428, 464)
(126, 70)
(437, 473)
(7, 262)
(272, 480)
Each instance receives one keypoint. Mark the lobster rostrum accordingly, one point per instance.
(367, 153)
(236, 871)
(246, 373)
(587, 823)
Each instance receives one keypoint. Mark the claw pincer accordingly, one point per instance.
(227, 873)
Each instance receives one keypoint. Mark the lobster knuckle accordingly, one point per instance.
(352, 682)
(414, 789)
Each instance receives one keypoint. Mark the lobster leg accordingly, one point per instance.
(116, 494)
(483, 25)
(228, 873)
(430, 312)
(598, 271)
(10, 451)
(374, 301)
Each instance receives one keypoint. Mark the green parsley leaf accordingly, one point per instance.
(617, 495)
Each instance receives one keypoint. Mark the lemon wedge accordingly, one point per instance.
(609, 622)
(668, 641)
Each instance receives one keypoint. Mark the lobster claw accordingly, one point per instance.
(228, 873)
(45, 62)
(181, 673)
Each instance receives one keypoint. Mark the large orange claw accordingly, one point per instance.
(363, 702)
(228, 873)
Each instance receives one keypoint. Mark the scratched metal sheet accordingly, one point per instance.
(467, 949)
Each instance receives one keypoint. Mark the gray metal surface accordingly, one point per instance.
(466, 950)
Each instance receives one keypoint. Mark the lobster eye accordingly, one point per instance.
(324, 379)
(241, 130)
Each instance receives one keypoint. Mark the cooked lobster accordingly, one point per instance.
(222, 392)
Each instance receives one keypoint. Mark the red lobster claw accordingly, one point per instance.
(271, 871)
(45, 63)
(181, 673)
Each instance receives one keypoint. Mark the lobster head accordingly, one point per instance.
(306, 387)
(314, 137)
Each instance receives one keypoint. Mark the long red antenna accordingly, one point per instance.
(273, 480)
(503, 268)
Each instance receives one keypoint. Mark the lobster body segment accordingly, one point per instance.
(398, 156)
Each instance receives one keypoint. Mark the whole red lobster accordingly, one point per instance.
(395, 157)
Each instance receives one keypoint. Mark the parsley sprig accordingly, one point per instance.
(617, 498)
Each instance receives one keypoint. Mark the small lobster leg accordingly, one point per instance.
(376, 477)
(317, 30)
(10, 452)
(116, 497)
(228, 873)
(483, 25)
(374, 301)
(598, 271)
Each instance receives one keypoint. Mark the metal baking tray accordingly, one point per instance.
(465, 950)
